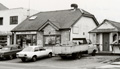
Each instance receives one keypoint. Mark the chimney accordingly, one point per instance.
(75, 6)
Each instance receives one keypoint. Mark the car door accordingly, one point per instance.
(37, 52)
(43, 52)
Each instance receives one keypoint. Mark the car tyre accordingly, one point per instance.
(79, 55)
(94, 53)
(34, 58)
(50, 55)
(23, 60)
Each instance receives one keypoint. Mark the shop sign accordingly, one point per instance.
(25, 32)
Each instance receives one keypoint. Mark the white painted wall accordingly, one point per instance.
(84, 25)
(20, 12)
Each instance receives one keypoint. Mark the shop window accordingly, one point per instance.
(1, 20)
(13, 19)
(51, 40)
(30, 39)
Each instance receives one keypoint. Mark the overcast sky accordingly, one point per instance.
(102, 9)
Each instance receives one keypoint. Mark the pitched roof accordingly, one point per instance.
(113, 23)
(64, 19)
(2, 7)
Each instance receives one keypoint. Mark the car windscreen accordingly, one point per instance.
(28, 49)
(5, 49)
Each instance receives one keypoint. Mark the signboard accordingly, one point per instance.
(26, 32)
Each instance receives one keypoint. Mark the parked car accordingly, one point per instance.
(9, 51)
(33, 52)
(1, 47)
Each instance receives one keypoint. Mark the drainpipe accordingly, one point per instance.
(118, 37)
(14, 38)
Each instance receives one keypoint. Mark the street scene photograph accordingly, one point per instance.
(59, 34)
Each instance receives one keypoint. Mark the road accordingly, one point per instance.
(86, 62)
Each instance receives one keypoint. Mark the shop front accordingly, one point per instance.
(26, 38)
(5, 38)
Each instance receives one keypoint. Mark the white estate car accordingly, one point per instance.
(33, 52)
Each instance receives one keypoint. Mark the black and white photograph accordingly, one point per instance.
(59, 34)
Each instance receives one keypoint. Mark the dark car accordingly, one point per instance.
(1, 47)
(9, 51)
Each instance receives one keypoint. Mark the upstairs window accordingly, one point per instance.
(1, 20)
(13, 19)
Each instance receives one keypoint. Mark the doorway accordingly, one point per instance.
(105, 41)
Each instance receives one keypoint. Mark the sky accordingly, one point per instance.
(101, 9)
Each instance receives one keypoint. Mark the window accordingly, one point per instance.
(75, 29)
(52, 40)
(14, 20)
(28, 39)
(1, 20)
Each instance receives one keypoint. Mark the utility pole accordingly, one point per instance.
(28, 8)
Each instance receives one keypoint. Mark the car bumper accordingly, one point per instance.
(25, 57)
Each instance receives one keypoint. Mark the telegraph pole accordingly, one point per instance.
(28, 8)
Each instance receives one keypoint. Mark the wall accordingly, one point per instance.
(84, 25)
(65, 36)
(40, 39)
(48, 30)
(20, 12)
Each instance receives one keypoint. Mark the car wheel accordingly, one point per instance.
(34, 58)
(94, 53)
(79, 55)
(50, 55)
(10, 57)
(23, 59)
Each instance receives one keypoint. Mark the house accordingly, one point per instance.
(10, 18)
(55, 27)
(107, 36)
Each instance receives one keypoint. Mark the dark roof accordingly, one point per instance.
(2, 7)
(63, 19)
(113, 23)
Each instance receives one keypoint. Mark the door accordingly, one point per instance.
(105, 41)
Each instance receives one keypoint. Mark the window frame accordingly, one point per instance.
(13, 20)
(1, 23)
(55, 41)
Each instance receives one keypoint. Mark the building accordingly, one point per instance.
(2, 7)
(55, 27)
(10, 18)
(107, 36)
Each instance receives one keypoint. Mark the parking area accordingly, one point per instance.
(86, 61)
